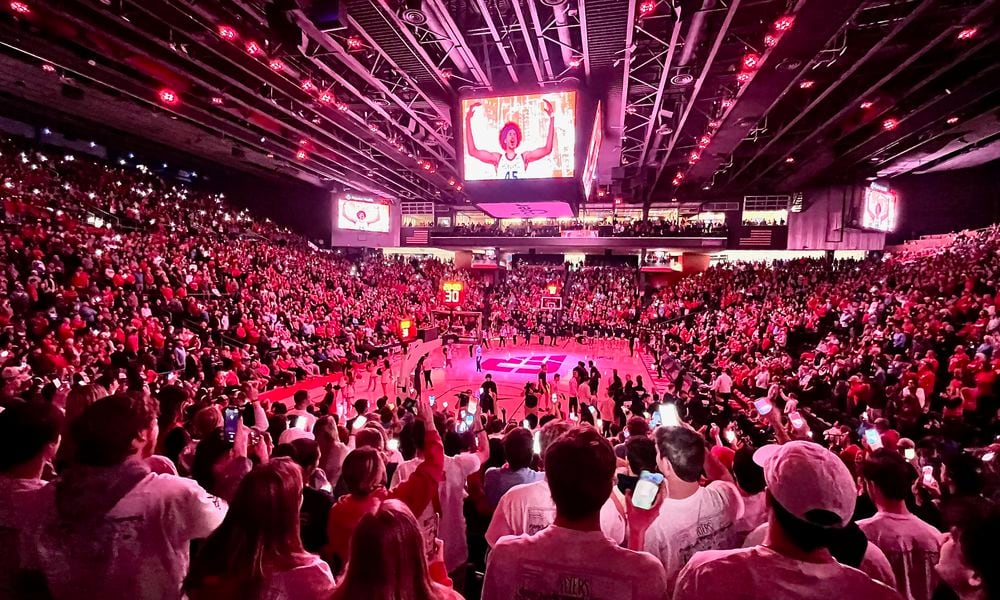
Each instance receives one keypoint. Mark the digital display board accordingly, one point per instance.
(529, 136)
(878, 210)
(362, 213)
(590, 167)
(452, 293)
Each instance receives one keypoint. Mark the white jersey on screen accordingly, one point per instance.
(510, 168)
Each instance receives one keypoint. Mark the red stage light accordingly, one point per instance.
(952, 120)
(890, 124)
(646, 8)
(770, 40)
(743, 77)
(784, 23)
(751, 61)
(806, 84)
(326, 97)
(301, 155)
(458, 188)
(277, 64)
(451, 181)
(48, 68)
(728, 103)
(253, 49)
(169, 97)
(354, 43)
(20, 8)
(968, 33)
(218, 100)
(228, 33)
(342, 106)
(867, 104)
(704, 140)
(694, 157)
(308, 85)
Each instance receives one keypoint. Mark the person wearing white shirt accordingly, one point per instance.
(723, 385)
(572, 558)
(911, 545)
(299, 417)
(452, 495)
(108, 527)
(811, 497)
(691, 517)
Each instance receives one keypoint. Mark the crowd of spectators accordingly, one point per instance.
(613, 227)
(826, 429)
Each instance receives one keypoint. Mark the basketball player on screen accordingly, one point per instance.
(510, 163)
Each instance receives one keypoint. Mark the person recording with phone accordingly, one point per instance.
(573, 555)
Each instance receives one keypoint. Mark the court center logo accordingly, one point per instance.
(525, 364)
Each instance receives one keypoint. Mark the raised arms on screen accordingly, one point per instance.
(492, 158)
(531, 156)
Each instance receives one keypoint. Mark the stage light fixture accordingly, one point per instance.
(447, 74)
(48, 68)
(790, 159)
(342, 106)
(890, 124)
(646, 8)
(218, 100)
(728, 103)
(326, 97)
(301, 155)
(867, 104)
(308, 85)
(704, 140)
(713, 124)
(770, 40)
(354, 43)
(227, 33)
(20, 8)
(575, 62)
(806, 84)
(784, 23)
(277, 64)
(751, 61)
(373, 128)
(451, 181)
(694, 157)
(169, 97)
(743, 77)
(459, 187)
(968, 33)
(951, 120)
(253, 48)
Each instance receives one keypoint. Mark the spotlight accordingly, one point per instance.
(784, 23)
(770, 40)
(326, 97)
(728, 103)
(952, 120)
(890, 124)
(751, 61)
(646, 8)
(253, 48)
(679, 176)
(694, 157)
(447, 74)
(575, 62)
(806, 84)
(227, 33)
(790, 159)
(713, 124)
(354, 43)
(48, 68)
(966, 34)
(342, 106)
(301, 155)
(218, 100)
(169, 97)
(704, 140)
(308, 85)
(743, 77)
(20, 8)
(867, 104)
(277, 64)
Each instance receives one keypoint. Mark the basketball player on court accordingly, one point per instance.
(510, 164)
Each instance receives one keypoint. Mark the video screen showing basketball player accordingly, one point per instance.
(534, 136)
(510, 163)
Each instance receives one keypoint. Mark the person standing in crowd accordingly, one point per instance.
(388, 560)
(488, 395)
(811, 497)
(428, 382)
(969, 555)
(692, 517)
(572, 556)
(478, 351)
(911, 545)
(108, 518)
(528, 508)
(257, 551)
(517, 445)
(29, 439)
(300, 417)
(451, 494)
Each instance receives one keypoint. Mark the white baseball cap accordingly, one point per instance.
(803, 477)
(292, 433)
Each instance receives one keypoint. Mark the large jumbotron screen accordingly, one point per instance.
(529, 136)
(362, 214)
(590, 167)
(878, 211)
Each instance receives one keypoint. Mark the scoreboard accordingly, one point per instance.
(452, 293)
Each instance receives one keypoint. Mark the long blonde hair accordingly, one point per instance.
(387, 558)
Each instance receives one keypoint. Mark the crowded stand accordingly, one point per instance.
(610, 227)
(822, 427)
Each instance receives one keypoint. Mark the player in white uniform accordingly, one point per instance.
(510, 164)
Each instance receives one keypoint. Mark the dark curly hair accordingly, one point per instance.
(507, 127)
